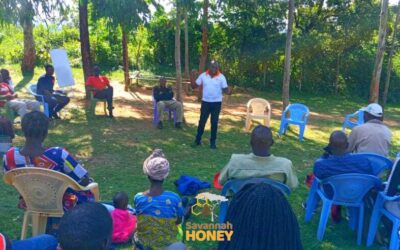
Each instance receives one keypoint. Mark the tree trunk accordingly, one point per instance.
(376, 75)
(84, 40)
(204, 38)
(26, 21)
(391, 53)
(139, 46)
(178, 54)
(337, 73)
(125, 58)
(288, 52)
(185, 14)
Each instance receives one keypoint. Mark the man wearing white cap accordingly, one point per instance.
(372, 136)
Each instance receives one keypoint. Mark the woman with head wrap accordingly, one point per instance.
(158, 211)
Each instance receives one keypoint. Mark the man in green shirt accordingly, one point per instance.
(260, 163)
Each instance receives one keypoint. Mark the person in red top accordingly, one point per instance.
(100, 85)
(9, 98)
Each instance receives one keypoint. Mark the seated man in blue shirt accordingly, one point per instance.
(163, 95)
(336, 160)
(56, 99)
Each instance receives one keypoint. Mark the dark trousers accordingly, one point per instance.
(107, 94)
(207, 109)
(56, 102)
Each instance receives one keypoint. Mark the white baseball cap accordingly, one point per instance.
(374, 109)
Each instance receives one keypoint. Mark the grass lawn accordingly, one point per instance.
(113, 150)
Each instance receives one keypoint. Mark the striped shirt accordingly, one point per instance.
(54, 158)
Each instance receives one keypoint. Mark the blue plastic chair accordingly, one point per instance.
(155, 113)
(377, 212)
(234, 186)
(33, 90)
(348, 190)
(349, 120)
(298, 115)
(379, 162)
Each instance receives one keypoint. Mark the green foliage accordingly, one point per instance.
(11, 44)
(125, 13)
(334, 42)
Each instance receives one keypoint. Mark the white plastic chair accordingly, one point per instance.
(258, 108)
(43, 191)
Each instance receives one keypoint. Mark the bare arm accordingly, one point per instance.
(193, 76)
(227, 90)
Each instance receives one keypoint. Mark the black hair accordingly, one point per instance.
(261, 218)
(4, 75)
(87, 226)
(262, 135)
(35, 124)
(48, 66)
(120, 200)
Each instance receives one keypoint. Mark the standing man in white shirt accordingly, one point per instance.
(214, 84)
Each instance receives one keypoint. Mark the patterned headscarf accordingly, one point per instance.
(156, 166)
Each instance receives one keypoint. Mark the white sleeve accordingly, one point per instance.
(224, 84)
(199, 79)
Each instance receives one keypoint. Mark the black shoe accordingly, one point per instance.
(160, 125)
(110, 114)
(56, 117)
(196, 144)
(213, 146)
(178, 125)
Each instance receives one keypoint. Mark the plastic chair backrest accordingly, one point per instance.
(235, 185)
(33, 89)
(350, 188)
(298, 112)
(360, 115)
(393, 186)
(258, 106)
(379, 162)
(42, 189)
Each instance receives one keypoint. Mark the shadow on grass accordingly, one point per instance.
(24, 82)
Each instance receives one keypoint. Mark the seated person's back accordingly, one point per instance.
(158, 211)
(87, 226)
(260, 163)
(337, 161)
(33, 154)
(124, 223)
(261, 218)
(372, 136)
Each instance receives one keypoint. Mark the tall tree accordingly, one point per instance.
(380, 51)
(126, 14)
(288, 51)
(23, 12)
(178, 52)
(391, 53)
(204, 37)
(84, 40)
(186, 5)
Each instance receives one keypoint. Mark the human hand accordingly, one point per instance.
(194, 74)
